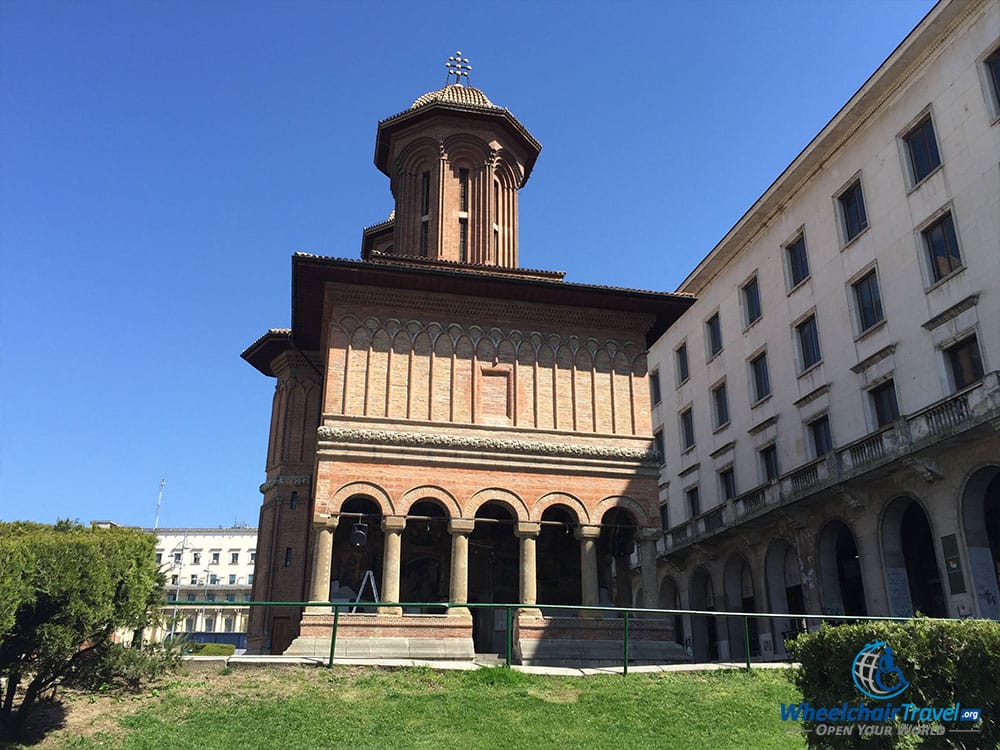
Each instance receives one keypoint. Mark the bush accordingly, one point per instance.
(213, 649)
(114, 666)
(945, 662)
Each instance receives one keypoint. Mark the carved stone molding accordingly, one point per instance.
(483, 444)
(286, 480)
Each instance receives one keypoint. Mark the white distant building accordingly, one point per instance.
(214, 566)
(829, 408)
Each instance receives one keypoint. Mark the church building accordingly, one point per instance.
(450, 427)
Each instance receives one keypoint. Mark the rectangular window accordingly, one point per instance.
(293, 501)
(174, 580)
(798, 263)
(191, 597)
(658, 443)
(234, 558)
(228, 624)
(196, 558)
(942, 247)
(177, 558)
(921, 147)
(852, 211)
(171, 596)
(727, 483)
(687, 429)
(720, 402)
(232, 579)
(253, 556)
(463, 240)
(425, 194)
(210, 598)
(209, 624)
(808, 336)
(194, 580)
(246, 598)
(869, 303)
(215, 558)
(288, 557)
(819, 432)
(693, 502)
(751, 300)
(682, 364)
(189, 625)
(884, 406)
(769, 462)
(463, 190)
(159, 557)
(664, 517)
(992, 63)
(713, 328)
(761, 377)
(213, 580)
(230, 597)
(965, 363)
(250, 579)
(654, 387)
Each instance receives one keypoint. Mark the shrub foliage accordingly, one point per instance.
(945, 662)
(64, 590)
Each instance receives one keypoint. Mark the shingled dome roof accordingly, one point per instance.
(456, 93)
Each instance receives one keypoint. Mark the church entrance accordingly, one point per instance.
(493, 575)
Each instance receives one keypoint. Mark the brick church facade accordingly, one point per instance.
(463, 429)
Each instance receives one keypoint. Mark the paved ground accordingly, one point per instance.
(209, 662)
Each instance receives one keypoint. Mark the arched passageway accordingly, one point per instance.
(783, 574)
(912, 574)
(614, 553)
(425, 567)
(558, 558)
(704, 631)
(493, 574)
(981, 522)
(358, 546)
(841, 586)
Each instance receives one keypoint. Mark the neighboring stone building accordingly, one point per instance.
(463, 429)
(207, 565)
(830, 406)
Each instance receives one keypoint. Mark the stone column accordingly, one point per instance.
(460, 528)
(393, 527)
(647, 558)
(588, 536)
(319, 587)
(527, 532)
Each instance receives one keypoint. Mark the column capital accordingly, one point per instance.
(461, 525)
(528, 529)
(649, 535)
(587, 532)
(325, 521)
(394, 524)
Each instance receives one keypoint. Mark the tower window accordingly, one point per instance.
(463, 240)
(423, 238)
(463, 190)
(425, 194)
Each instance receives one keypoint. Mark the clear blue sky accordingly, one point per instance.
(161, 161)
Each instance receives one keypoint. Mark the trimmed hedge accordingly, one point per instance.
(945, 662)
(213, 649)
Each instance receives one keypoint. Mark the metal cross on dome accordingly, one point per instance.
(457, 66)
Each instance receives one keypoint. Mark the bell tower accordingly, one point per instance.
(455, 162)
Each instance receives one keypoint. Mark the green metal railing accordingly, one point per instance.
(510, 608)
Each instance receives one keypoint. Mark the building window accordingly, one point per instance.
(232, 579)
(463, 240)
(246, 598)
(720, 402)
(654, 387)
(194, 580)
(942, 247)
(210, 597)
(177, 558)
(687, 429)
(693, 502)
(171, 596)
(965, 363)
(253, 556)
(189, 625)
(769, 462)
(884, 406)
(992, 63)
(250, 579)
(713, 329)
(798, 263)
(159, 557)
(727, 482)
(228, 624)
(288, 557)
(174, 580)
(868, 301)
(191, 597)
(196, 558)
(463, 190)
(425, 194)
(234, 558)
(213, 580)
(681, 356)
(215, 558)
(852, 211)
(819, 432)
(664, 517)
(230, 597)
(658, 443)
(751, 300)
(209, 624)
(922, 150)
(808, 336)
(761, 377)
(293, 501)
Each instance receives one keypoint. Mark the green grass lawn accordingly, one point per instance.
(419, 708)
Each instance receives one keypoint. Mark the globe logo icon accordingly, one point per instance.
(875, 672)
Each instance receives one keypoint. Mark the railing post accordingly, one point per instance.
(333, 634)
(625, 669)
(510, 636)
(746, 639)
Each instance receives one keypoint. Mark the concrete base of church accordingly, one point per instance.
(386, 636)
(593, 642)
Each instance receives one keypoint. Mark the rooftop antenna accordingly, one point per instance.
(457, 66)
(159, 499)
